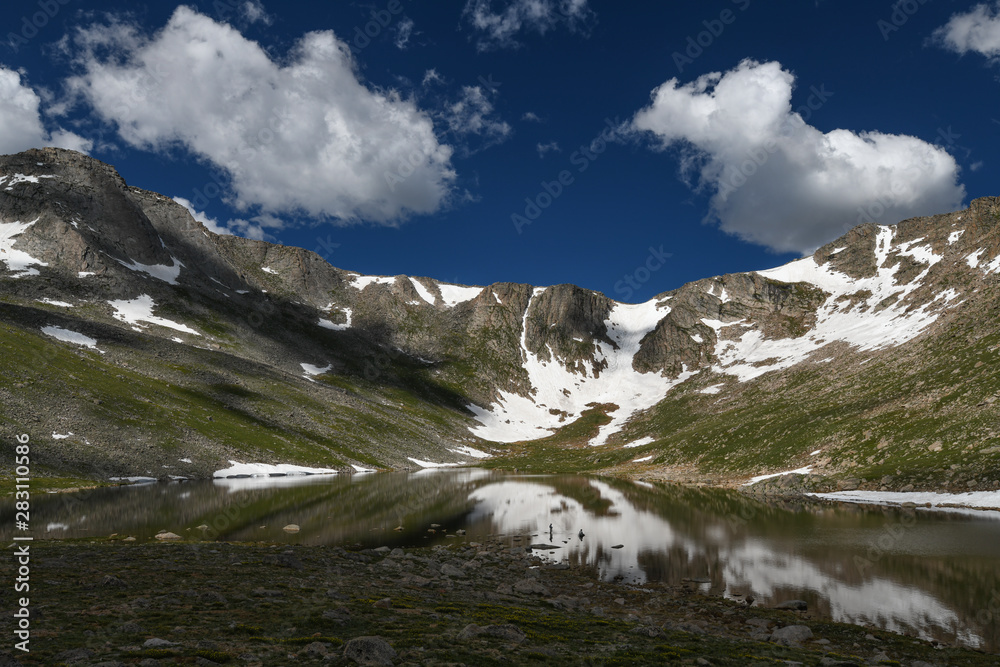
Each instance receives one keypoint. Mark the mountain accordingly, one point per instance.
(137, 342)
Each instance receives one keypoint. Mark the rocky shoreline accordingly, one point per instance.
(111, 602)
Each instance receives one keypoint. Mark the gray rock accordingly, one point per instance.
(369, 651)
(317, 649)
(530, 587)
(791, 634)
(156, 642)
(168, 536)
(450, 570)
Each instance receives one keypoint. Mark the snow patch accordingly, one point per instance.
(993, 266)
(973, 259)
(185, 460)
(20, 178)
(168, 274)
(268, 269)
(141, 310)
(17, 260)
(57, 436)
(640, 442)
(85, 274)
(68, 336)
(714, 389)
(327, 324)
(924, 254)
(470, 451)
(954, 236)
(60, 304)
(311, 370)
(238, 469)
(760, 478)
(644, 458)
(452, 295)
(974, 499)
(431, 464)
(424, 293)
(359, 469)
(360, 282)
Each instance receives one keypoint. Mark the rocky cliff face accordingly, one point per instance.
(322, 365)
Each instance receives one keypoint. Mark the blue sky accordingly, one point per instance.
(541, 141)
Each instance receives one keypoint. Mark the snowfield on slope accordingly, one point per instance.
(746, 356)
(17, 260)
(68, 336)
(751, 355)
(513, 417)
(140, 309)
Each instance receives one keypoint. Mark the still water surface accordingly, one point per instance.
(933, 574)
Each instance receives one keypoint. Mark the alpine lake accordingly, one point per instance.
(931, 574)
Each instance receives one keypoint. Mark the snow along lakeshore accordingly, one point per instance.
(981, 500)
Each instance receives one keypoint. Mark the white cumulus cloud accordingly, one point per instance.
(473, 113)
(976, 30)
(499, 28)
(780, 182)
(211, 224)
(21, 124)
(301, 134)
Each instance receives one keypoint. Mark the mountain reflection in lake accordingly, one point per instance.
(934, 574)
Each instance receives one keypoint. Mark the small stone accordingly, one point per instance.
(384, 603)
(291, 528)
(618, 546)
(129, 539)
(111, 581)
